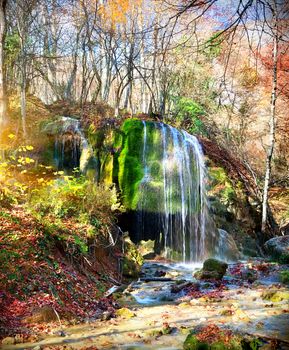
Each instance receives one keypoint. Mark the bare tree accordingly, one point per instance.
(3, 5)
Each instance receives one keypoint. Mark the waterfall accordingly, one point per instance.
(178, 191)
(71, 148)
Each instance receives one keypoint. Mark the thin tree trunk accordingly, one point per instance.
(23, 102)
(2, 82)
(272, 125)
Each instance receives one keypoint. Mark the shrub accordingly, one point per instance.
(188, 113)
(76, 197)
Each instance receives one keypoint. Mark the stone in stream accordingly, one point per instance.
(125, 313)
(249, 275)
(212, 269)
(160, 273)
(176, 288)
(278, 248)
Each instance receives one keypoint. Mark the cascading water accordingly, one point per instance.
(161, 174)
(71, 148)
(183, 226)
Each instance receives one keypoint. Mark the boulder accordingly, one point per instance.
(278, 248)
(212, 269)
(227, 246)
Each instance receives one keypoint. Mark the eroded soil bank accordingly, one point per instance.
(159, 310)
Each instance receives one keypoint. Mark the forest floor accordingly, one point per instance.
(44, 281)
(160, 314)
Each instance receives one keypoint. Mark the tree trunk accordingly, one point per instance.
(23, 103)
(272, 124)
(2, 82)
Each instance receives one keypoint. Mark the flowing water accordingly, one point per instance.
(71, 148)
(172, 203)
(157, 305)
(186, 230)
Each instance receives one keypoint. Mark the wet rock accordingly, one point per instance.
(8, 341)
(278, 248)
(212, 269)
(177, 288)
(227, 246)
(249, 275)
(106, 315)
(146, 247)
(149, 256)
(125, 313)
(249, 246)
(160, 273)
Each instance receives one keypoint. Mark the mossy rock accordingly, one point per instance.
(125, 313)
(192, 343)
(284, 276)
(132, 261)
(278, 249)
(215, 265)
(275, 295)
(212, 269)
(222, 342)
(130, 169)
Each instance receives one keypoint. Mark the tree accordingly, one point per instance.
(3, 5)
(276, 64)
(258, 20)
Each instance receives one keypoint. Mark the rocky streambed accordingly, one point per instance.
(167, 303)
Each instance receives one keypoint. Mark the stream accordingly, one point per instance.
(166, 302)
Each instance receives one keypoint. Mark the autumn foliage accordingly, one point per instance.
(282, 68)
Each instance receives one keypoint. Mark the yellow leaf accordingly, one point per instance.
(11, 136)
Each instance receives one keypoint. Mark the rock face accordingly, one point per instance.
(278, 248)
(227, 246)
(212, 269)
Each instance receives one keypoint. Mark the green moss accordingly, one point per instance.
(96, 137)
(107, 170)
(212, 269)
(131, 170)
(132, 261)
(284, 275)
(221, 184)
(215, 265)
(192, 343)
